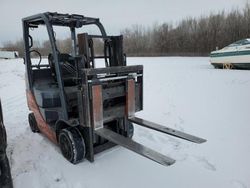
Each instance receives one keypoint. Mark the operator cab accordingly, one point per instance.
(53, 69)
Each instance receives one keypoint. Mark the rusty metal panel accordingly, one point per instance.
(84, 103)
(130, 98)
(84, 47)
(41, 123)
(97, 107)
(82, 43)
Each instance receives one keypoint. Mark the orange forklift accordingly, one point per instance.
(82, 108)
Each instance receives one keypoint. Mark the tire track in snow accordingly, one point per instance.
(206, 163)
(238, 184)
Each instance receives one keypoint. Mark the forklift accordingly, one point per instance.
(5, 174)
(83, 108)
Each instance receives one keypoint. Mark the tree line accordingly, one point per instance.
(190, 37)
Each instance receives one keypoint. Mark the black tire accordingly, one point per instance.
(3, 138)
(5, 175)
(1, 113)
(72, 144)
(33, 124)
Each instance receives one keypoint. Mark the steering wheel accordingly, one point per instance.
(40, 57)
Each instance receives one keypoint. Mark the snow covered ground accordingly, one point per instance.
(184, 93)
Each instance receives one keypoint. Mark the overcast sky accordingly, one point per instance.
(114, 14)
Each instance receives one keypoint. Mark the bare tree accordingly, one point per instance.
(191, 36)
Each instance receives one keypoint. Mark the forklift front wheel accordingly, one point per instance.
(72, 144)
(33, 124)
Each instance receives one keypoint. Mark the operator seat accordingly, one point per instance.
(68, 68)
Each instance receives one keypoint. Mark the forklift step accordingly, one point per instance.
(134, 146)
(166, 130)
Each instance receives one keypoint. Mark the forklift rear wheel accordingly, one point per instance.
(72, 144)
(33, 124)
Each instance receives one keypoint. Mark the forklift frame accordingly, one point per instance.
(117, 83)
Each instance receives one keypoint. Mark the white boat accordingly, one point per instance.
(235, 55)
